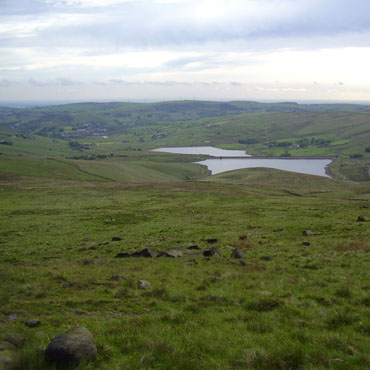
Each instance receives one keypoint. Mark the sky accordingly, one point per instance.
(137, 50)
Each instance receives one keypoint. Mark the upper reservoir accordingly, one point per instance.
(205, 150)
(309, 166)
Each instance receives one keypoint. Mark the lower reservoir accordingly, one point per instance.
(230, 160)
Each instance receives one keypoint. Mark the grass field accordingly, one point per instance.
(292, 306)
(298, 300)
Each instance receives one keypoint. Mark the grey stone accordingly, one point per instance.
(363, 219)
(143, 284)
(310, 233)
(147, 252)
(71, 348)
(122, 255)
(171, 253)
(33, 323)
(13, 316)
(213, 251)
(237, 254)
(266, 258)
(212, 240)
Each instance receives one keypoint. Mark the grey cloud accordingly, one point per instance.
(145, 24)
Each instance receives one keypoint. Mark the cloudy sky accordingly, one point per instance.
(185, 49)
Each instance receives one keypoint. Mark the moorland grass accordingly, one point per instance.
(304, 307)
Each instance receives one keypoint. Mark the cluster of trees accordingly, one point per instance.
(77, 147)
(91, 157)
(301, 143)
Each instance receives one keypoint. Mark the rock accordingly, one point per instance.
(147, 252)
(237, 253)
(171, 253)
(306, 244)
(363, 219)
(212, 241)
(122, 255)
(193, 247)
(213, 251)
(13, 316)
(310, 233)
(143, 284)
(266, 258)
(87, 262)
(33, 323)
(7, 356)
(116, 239)
(116, 277)
(71, 348)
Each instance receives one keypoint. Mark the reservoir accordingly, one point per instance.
(309, 166)
(205, 150)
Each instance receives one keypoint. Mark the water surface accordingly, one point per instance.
(309, 166)
(206, 150)
(306, 166)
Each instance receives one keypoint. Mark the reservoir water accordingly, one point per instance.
(309, 166)
(206, 150)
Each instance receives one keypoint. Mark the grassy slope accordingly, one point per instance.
(306, 308)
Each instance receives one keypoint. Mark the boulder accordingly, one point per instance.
(143, 284)
(147, 252)
(237, 254)
(213, 251)
(212, 240)
(71, 348)
(171, 253)
(122, 255)
(265, 258)
(363, 219)
(33, 323)
(310, 233)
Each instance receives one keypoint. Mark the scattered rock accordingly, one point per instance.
(33, 323)
(143, 284)
(122, 255)
(87, 262)
(306, 244)
(147, 252)
(363, 219)
(212, 241)
(171, 253)
(310, 233)
(278, 230)
(116, 239)
(69, 285)
(212, 252)
(237, 253)
(71, 348)
(116, 277)
(13, 316)
(193, 247)
(266, 258)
